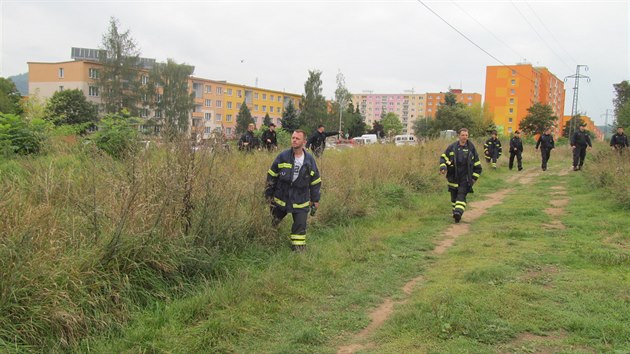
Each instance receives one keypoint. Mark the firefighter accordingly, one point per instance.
(460, 162)
(492, 149)
(248, 141)
(516, 149)
(546, 144)
(579, 142)
(619, 141)
(293, 185)
(317, 141)
(269, 138)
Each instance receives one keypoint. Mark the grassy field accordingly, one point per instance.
(545, 270)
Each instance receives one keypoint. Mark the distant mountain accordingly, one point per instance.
(21, 82)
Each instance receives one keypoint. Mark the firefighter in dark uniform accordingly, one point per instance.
(546, 144)
(460, 162)
(492, 149)
(619, 141)
(579, 142)
(269, 138)
(317, 141)
(516, 149)
(248, 141)
(293, 185)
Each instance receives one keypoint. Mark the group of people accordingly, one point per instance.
(249, 142)
(293, 180)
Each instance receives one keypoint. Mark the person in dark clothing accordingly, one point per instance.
(516, 149)
(546, 144)
(460, 162)
(317, 141)
(248, 141)
(293, 185)
(492, 149)
(269, 140)
(619, 141)
(579, 142)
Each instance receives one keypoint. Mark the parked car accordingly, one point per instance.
(407, 139)
(369, 139)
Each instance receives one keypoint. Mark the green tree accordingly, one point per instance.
(70, 107)
(538, 119)
(243, 119)
(450, 99)
(622, 103)
(572, 125)
(421, 127)
(9, 97)
(452, 117)
(377, 128)
(168, 88)
(483, 121)
(267, 120)
(391, 124)
(353, 122)
(116, 135)
(34, 107)
(21, 136)
(340, 105)
(290, 120)
(119, 80)
(313, 109)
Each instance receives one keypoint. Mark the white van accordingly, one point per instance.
(369, 139)
(400, 140)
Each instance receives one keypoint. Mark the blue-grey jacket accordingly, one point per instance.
(293, 196)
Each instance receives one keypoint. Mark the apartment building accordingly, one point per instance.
(434, 100)
(408, 107)
(511, 90)
(590, 126)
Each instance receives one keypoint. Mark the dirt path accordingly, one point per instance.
(449, 236)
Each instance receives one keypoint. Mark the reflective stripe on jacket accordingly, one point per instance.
(288, 195)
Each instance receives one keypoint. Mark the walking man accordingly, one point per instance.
(546, 144)
(460, 162)
(317, 141)
(516, 149)
(492, 149)
(619, 141)
(293, 185)
(248, 141)
(269, 139)
(579, 141)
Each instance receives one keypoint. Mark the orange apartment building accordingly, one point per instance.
(216, 103)
(511, 90)
(434, 100)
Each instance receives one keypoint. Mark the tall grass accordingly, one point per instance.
(86, 239)
(611, 172)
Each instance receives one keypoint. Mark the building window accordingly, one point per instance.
(278, 98)
(93, 91)
(208, 103)
(228, 131)
(255, 107)
(513, 72)
(509, 129)
(207, 116)
(264, 96)
(93, 73)
(207, 130)
(511, 91)
(218, 117)
(229, 92)
(61, 73)
(239, 93)
(219, 104)
(144, 112)
(219, 90)
(228, 118)
(513, 82)
(145, 79)
(229, 105)
(158, 114)
(271, 98)
(208, 89)
(511, 101)
(271, 109)
(264, 108)
(511, 110)
(255, 95)
(510, 120)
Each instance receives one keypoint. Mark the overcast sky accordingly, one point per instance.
(382, 46)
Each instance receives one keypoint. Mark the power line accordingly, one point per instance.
(538, 34)
(550, 32)
(487, 30)
(471, 41)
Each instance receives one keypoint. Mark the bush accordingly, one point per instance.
(116, 136)
(19, 136)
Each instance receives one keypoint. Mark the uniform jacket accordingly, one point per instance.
(492, 147)
(248, 137)
(516, 143)
(619, 140)
(268, 134)
(545, 142)
(296, 196)
(449, 160)
(317, 141)
(581, 139)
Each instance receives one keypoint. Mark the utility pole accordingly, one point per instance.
(574, 106)
(605, 122)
